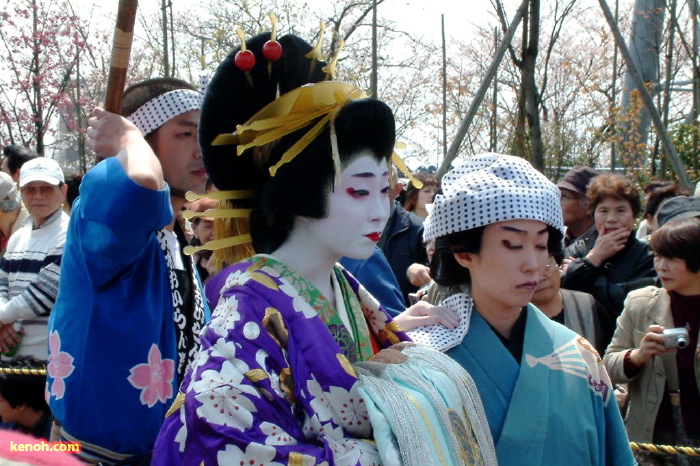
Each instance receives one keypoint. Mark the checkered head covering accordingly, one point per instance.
(492, 188)
(156, 112)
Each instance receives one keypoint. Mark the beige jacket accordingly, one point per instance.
(643, 307)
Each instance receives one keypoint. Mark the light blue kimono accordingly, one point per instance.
(556, 407)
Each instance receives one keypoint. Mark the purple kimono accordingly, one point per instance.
(273, 382)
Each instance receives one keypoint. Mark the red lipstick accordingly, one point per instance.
(374, 236)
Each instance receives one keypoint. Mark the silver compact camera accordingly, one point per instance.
(676, 338)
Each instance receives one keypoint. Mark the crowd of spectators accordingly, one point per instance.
(113, 299)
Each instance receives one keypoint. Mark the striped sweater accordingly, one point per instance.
(29, 273)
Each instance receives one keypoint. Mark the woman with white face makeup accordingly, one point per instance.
(295, 365)
(617, 262)
(547, 396)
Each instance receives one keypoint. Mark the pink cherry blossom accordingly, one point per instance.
(154, 378)
(60, 365)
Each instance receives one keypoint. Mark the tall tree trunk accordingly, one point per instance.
(666, 102)
(520, 120)
(644, 44)
(36, 86)
(164, 20)
(613, 98)
(532, 95)
(693, 117)
(493, 144)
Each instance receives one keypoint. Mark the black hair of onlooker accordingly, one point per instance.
(445, 269)
(17, 156)
(653, 185)
(660, 194)
(679, 239)
(73, 181)
(24, 388)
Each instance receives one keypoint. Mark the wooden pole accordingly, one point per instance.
(613, 146)
(121, 50)
(373, 76)
(444, 89)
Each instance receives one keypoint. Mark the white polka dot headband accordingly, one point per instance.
(154, 113)
(492, 188)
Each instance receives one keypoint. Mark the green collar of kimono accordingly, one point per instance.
(357, 347)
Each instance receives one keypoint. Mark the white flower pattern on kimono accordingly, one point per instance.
(276, 435)
(308, 460)
(224, 397)
(237, 278)
(181, 437)
(298, 302)
(345, 451)
(375, 319)
(254, 455)
(352, 410)
(320, 403)
(227, 350)
(225, 316)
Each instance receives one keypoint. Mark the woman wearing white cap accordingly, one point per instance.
(547, 396)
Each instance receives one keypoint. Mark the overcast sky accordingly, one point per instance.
(419, 17)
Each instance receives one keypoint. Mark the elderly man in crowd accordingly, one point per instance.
(31, 266)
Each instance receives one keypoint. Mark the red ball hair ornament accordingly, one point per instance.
(272, 50)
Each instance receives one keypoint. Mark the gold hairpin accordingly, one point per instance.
(316, 53)
(219, 244)
(330, 70)
(22, 371)
(221, 195)
(218, 213)
(294, 110)
(401, 165)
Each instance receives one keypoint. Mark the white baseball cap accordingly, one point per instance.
(41, 169)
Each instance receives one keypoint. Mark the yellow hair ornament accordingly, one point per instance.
(218, 244)
(218, 213)
(221, 195)
(330, 69)
(316, 53)
(401, 165)
(292, 111)
(22, 371)
(273, 20)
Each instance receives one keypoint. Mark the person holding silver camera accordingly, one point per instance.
(655, 346)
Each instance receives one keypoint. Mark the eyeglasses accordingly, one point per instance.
(570, 196)
(44, 190)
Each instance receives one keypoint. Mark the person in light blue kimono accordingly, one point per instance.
(547, 396)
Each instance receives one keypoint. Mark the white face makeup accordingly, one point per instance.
(357, 211)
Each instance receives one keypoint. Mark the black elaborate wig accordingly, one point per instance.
(301, 186)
